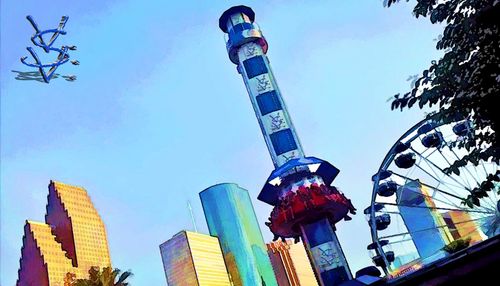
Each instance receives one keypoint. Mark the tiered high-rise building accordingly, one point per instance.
(291, 265)
(72, 239)
(191, 258)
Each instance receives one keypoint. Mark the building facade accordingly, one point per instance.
(72, 239)
(230, 216)
(291, 264)
(191, 258)
(424, 223)
(462, 226)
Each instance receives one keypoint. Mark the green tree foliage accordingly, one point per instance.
(465, 82)
(457, 245)
(107, 277)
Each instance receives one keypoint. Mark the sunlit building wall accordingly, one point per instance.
(424, 223)
(279, 269)
(77, 226)
(191, 258)
(230, 216)
(73, 239)
(43, 262)
(462, 225)
(291, 264)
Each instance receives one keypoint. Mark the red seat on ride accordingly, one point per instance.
(298, 206)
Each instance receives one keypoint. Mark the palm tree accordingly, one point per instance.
(107, 277)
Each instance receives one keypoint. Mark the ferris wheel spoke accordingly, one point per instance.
(441, 170)
(477, 173)
(489, 201)
(444, 157)
(454, 191)
(491, 227)
(439, 208)
(400, 241)
(449, 203)
(484, 168)
(429, 229)
(448, 194)
(465, 183)
(437, 189)
(491, 193)
(441, 180)
(428, 155)
(456, 196)
(422, 186)
(481, 224)
(390, 212)
(467, 169)
(425, 160)
(473, 177)
(434, 176)
(458, 158)
(492, 172)
(449, 185)
(425, 171)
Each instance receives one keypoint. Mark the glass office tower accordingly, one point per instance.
(230, 216)
(191, 258)
(424, 223)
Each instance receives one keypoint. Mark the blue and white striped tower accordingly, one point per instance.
(247, 48)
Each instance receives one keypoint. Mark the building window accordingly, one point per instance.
(255, 66)
(283, 141)
(268, 102)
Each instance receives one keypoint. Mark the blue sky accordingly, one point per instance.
(158, 112)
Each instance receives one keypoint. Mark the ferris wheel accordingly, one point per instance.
(419, 211)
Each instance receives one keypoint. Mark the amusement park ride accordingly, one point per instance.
(305, 205)
(420, 205)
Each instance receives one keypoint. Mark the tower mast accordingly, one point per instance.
(193, 221)
(305, 205)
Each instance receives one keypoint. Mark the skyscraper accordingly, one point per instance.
(420, 216)
(230, 216)
(191, 258)
(72, 239)
(291, 264)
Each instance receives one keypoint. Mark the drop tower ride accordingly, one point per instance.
(305, 205)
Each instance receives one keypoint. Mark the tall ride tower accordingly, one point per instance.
(305, 205)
